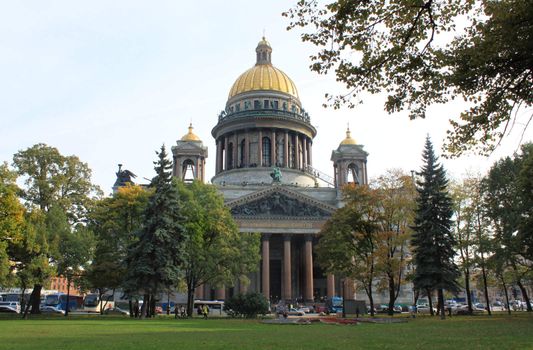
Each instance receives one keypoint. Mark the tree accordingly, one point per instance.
(11, 222)
(428, 52)
(525, 188)
(74, 249)
(347, 242)
(471, 232)
(397, 203)
(505, 207)
(215, 251)
(52, 179)
(433, 242)
(154, 261)
(115, 221)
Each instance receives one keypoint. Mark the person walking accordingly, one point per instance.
(205, 311)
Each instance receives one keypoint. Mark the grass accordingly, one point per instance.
(82, 332)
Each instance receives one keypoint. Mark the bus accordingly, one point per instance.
(92, 303)
(334, 304)
(59, 301)
(216, 308)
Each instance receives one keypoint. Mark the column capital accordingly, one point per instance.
(287, 237)
(309, 237)
(266, 236)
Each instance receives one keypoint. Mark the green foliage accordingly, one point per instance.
(247, 305)
(154, 260)
(428, 52)
(433, 241)
(11, 222)
(115, 221)
(348, 243)
(508, 205)
(53, 179)
(215, 251)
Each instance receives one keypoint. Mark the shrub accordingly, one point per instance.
(246, 305)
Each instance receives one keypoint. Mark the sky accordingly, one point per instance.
(110, 82)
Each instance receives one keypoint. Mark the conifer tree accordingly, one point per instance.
(154, 260)
(433, 241)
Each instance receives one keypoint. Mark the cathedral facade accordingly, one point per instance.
(264, 170)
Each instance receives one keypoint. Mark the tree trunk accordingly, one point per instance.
(100, 305)
(190, 299)
(467, 289)
(130, 305)
(36, 302)
(392, 295)
(485, 288)
(524, 295)
(370, 299)
(430, 302)
(22, 298)
(30, 302)
(152, 305)
(506, 295)
(67, 308)
(144, 307)
(441, 303)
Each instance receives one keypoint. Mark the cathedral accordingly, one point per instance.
(264, 170)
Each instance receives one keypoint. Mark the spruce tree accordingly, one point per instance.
(433, 241)
(154, 260)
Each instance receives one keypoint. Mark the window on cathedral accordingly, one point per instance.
(280, 150)
(230, 156)
(284, 106)
(238, 107)
(266, 152)
(275, 104)
(242, 159)
(257, 104)
(266, 104)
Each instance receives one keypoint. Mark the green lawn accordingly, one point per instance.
(101, 333)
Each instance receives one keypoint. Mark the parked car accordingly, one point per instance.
(497, 306)
(306, 309)
(116, 311)
(295, 312)
(10, 307)
(424, 309)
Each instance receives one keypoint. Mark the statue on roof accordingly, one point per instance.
(123, 177)
(276, 175)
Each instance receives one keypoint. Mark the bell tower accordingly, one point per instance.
(349, 162)
(189, 155)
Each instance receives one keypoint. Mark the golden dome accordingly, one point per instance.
(263, 76)
(348, 140)
(190, 136)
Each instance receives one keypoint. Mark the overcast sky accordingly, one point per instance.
(111, 81)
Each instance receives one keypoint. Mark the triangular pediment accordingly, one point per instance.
(182, 145)
(279, 201)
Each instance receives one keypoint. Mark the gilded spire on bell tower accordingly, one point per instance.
(264, 52)
(190, 136)
(348, 140)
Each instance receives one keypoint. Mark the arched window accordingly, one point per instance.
(266, 152)
(188, 171)
(242, 160)
(353, 174)
(230, 156)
